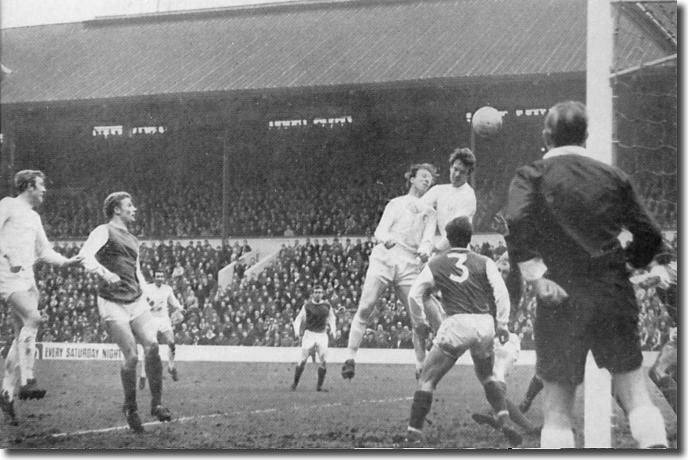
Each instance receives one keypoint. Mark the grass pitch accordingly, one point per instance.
(250, 406)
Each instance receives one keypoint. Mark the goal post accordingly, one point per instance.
(631, 99)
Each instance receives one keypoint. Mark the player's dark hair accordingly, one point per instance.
(317, 286)
(26, 178)
(414, 168)
(459, 232)
(114, 200)
(465, 156)
(566, 123)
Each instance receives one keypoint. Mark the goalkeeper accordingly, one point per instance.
(161, 299)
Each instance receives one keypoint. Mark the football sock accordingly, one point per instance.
(495, 392)
(534, 388)
(26, 342)
(129, 386)
(154, 371)
(321, 376)
(419, 349)
(298, 371)
(647, 426)
(171, 353)
(519, 419)
(358, 327)
(422, 401)
(484, 368)
(11, 376)
(557, 438)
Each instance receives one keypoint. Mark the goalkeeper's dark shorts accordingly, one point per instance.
(601, 314)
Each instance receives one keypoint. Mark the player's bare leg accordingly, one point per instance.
(11, 378)
(372, 290)
(120, 332)
(557, 406)
(167, 338)
(437, 364)
(644, 418)
(146, 334)
(27, 319)
(418, 342)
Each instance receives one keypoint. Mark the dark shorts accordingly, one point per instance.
(601, 314)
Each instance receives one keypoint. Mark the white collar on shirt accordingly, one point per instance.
(568, 150)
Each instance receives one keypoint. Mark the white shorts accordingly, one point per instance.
(505, 357)
(397, 265)
(466, 331)
(23, 280)
(314, 342)
(162, 323)
(116, 311)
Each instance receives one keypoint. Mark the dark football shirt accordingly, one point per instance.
(119, 256)
(569, 210)
(461, 276)
(317, 315)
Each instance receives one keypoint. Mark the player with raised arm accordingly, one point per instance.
(22, 242)
(404, 236)
(160, 298)
(477, 305)
(312, 325)
(112, 252)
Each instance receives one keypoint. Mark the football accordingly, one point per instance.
(486, 121)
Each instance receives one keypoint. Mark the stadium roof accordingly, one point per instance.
(308, 44)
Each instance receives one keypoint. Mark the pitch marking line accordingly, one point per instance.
(226, 414)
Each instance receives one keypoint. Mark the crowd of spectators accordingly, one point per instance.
(259, 306)
(285, 182)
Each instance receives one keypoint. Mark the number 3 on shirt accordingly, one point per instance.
(463, 270)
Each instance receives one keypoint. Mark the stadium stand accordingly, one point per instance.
(296, 182)
(259, 310)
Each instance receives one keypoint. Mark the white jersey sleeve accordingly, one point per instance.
(96, 240)
(500, 292)
(22, 237)
(45, 250)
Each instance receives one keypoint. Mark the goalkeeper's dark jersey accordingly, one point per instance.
(569, 209)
